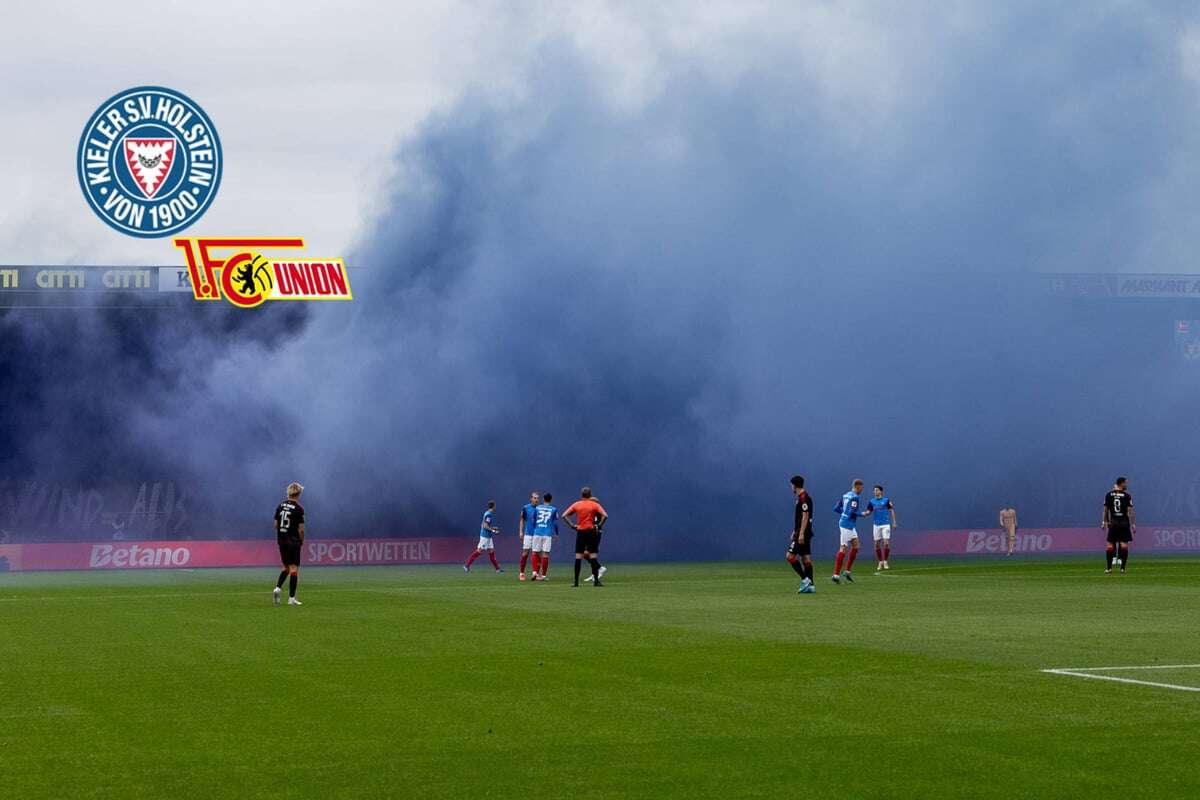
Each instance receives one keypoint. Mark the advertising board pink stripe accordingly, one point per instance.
(221, 553)
(984, 541)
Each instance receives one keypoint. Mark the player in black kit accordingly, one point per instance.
(1120, 522)
(289, 532)
(799, 553)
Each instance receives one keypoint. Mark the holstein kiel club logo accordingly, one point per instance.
(248, 278)
(149, 161)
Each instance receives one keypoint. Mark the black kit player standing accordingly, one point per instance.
(1121, 523)
(289, 533)
(799, 553)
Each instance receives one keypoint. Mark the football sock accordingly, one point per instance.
(282, 577)
(796, 565)
(292, 585)
(537, 563)
(887, 549)
(577, 565)
(595, 562)
(1108, 557)
(837, 564)
(524, 560)
(492, 558)
(474, 556)
(878, 553)
(545, 563)
(850, 561)
(808, 571)
(1124, 557)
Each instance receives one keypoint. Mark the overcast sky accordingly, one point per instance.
(312, 99)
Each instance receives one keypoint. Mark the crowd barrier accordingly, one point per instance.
(350, 552)
(985, 541)
(228, 553)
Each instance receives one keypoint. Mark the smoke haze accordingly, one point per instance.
(683, 282)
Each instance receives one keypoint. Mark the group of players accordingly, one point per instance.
(538, 528)
(849, 508)
(1118, 520)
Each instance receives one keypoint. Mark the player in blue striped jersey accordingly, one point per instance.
(848, 509)
(525, 527)
(545, 529)
(487, 529)
(883, 519)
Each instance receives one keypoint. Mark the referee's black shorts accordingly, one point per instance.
(587, 541)
(289, 552)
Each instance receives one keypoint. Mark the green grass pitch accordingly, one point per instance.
(693, 681)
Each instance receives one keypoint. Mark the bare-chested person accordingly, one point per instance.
(1008, 521)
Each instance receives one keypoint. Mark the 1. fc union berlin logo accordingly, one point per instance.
(149, 161)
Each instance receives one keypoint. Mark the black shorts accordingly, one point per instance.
(289, 552)
(587, 541)
(1121, 533)
(798, 548)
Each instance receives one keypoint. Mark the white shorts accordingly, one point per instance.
(848, 534)
(485, 543)
(883, 532)
(527, 541)
(538, 544)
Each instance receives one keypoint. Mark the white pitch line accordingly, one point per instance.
(1110, 669)
(1115, 679)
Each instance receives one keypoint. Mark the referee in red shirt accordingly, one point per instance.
(590, 517)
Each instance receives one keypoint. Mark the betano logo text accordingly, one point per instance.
(122, 556)
(248, 278)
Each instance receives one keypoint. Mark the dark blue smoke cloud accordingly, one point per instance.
(684, 302)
